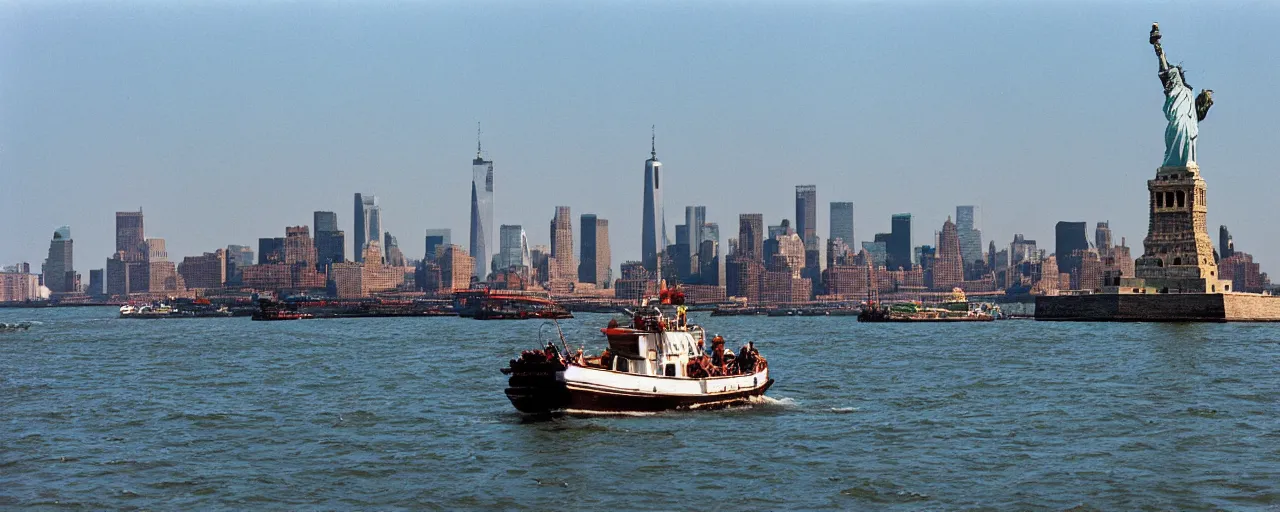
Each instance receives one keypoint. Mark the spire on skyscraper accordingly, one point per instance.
(477, 139)
(653, 141)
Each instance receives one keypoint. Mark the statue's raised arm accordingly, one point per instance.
(1180, 109)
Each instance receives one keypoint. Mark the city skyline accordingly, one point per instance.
(704, 152)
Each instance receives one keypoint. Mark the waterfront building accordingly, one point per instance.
(653, 226)
(948, 268)
(205, 271)
(750, 236)
(967, 221)
(58, 269)
(898, 247)
(437, 239)
(842, 221)
(1244, 275)
(456, 269)
(19, 286)
(298, 248)
(481, 212)
(596, 259)
(807, 215)
(784, 286)
(97, 283)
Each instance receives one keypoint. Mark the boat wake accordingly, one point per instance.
(768, 401)
(584, 412)
(844, 410)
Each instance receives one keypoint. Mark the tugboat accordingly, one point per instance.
(658, 363)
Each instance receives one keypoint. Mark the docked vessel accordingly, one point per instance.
(270, 310)
(181, 308)
(514, 307)
(657, 363)
(955, 309)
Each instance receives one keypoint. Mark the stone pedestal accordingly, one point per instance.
(1177, 252)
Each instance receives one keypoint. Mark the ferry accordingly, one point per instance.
(955, 308)
(515, 307)
(655, 364)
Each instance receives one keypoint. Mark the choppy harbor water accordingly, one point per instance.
(382, 413)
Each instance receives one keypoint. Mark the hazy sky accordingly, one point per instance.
(228, 121)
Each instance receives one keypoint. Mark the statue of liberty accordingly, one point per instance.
(1182, 112)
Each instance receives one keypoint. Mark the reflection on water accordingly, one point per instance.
(409, 413)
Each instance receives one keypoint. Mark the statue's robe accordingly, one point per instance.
(1180, 110)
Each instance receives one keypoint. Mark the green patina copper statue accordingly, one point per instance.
(1182, 112)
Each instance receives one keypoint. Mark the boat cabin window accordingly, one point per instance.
(621, 364)
(669, 370)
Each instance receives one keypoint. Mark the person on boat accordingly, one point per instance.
(682, 318)
(606, 359)
(613, 323)
(717, 351)
(552, 351)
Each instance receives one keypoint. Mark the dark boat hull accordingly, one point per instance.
(550, 397)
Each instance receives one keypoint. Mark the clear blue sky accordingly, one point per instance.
(227, 121)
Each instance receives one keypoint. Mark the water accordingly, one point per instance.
(409, 413)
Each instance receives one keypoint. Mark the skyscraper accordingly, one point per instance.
(653, 229)
(1226, 246)
(948, 269)
(899, 243)
(842, 222)
(270, 250)
(595, 263)
(970, 236)
(330, 241)
(129, 235)
(562, 245)
(513, 247)
(695, 217)
(481, 211)
(392, 254)
(238, 257)
(437, 239)
(298, 247)
(1102, 238)
(751, 236)
(807, 215)
(58, 269)
(368, 224)
(1069, 238)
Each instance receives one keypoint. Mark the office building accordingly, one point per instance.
(948, 268)
(482, 229)
(807, 215)
(596, 259)
(58, 269)
(842, 222)
(898, 247)
(270, 250)
(330, 242)
(437, 239)
(562, 260)
(967, 219)
(750, 237)
(367, 224)
(653, 226)
(1069, 237)
(205, 271)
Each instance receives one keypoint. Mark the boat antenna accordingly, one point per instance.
(562, 340)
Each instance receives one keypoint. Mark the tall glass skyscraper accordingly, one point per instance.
(368, 224)
(899, 246)
(653, 229)
(970, 236)
(481, 212)
(513, 247)
(807, 215)
(842, 222)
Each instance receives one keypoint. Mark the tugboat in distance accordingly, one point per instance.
(657, 363)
